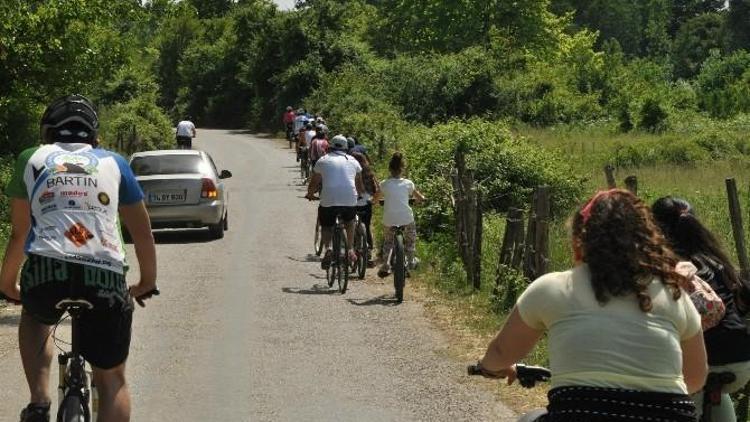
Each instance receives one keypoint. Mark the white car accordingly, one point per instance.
(183, 189)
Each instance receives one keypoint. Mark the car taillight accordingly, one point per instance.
(209, 189)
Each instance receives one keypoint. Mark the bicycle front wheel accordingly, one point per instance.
(361, 248)
(399, 268)
(73, 409)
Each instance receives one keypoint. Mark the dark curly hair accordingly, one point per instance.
(690, 239)
(624, 248)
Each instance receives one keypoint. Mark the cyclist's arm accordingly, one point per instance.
(359, 184)
(315, 184)
(135, 218)
(20, 217)
(694, 366)
(418, 196)
(514, 341)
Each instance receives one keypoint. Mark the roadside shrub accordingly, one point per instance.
(724, 84)
(507, 169)
(653, 116)
(137, 125)
(6, 167)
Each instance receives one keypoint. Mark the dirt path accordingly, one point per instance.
(246, 331)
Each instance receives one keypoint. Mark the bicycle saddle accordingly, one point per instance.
(74, 303)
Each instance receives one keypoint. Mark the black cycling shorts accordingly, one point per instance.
(105, 330)
(328, 215)
(185, 140)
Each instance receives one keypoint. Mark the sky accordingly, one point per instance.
(285, 4)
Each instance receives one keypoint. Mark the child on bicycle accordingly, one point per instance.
(396, 191)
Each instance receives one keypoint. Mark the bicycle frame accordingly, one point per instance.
(74, 383)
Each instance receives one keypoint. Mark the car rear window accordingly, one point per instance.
(168, 164)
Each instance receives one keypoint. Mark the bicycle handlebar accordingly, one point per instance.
(140, 299)
(527, 376)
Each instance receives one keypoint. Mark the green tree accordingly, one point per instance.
(738, 22)
(211, 8)
(685, 10)
(695, 40)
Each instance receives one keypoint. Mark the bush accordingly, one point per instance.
(137, 125)
(724, 84)
(508, 169)
(653, 116)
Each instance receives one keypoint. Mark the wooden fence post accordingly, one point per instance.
(735, 214)
(518, 240)
(529, 245)
(609, 172)
(513, 222)
(631, 184)
(478, 232)
(541, 235)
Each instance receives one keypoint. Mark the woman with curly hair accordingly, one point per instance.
(728, 342)
(625, 342)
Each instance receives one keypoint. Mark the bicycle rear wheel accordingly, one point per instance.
(72, 409)
(343, 261)
(399, 267)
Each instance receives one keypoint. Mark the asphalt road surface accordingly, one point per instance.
(247, 330)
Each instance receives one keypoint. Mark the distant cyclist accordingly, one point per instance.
(185, 134)
(319, 146)
(300, 120)
(625, 341)
(67, 200)
(727, 343)
(288, 120)
(396, 191)
(338, 177)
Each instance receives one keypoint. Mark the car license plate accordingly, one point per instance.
(166, 197)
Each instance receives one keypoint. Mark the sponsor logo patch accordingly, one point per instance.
(72, 162)
(74, 194)
(103, 198)
(46, 197)
(79, 235)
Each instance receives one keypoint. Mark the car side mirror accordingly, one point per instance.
(225, 174)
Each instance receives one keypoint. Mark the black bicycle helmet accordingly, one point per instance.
(69, 119)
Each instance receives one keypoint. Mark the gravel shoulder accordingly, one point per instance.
(247, 330)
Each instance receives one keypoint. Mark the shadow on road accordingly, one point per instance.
(10, 319)
(318, 276)
(308, 258)
(315, 290)
(383, 300)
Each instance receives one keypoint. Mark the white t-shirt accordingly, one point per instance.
(339, 172)
(396, 194)
(185, 128)
(615, 345)
(309, 135)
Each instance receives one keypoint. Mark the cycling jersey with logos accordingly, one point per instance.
(74, 192)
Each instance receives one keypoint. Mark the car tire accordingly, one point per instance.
(217, 230)
(226, 221)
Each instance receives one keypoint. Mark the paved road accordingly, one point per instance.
(245, 331)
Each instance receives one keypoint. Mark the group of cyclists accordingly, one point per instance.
(652, 307)
(348, 187)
